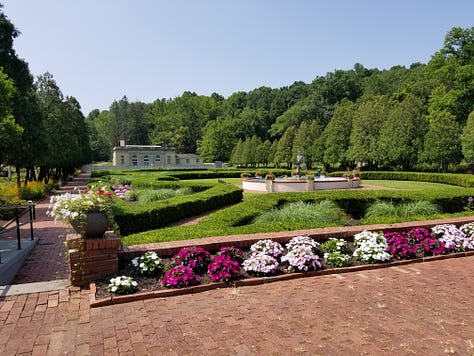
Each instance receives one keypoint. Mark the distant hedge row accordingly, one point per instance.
(461, 180)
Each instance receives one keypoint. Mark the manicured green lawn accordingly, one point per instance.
(391, 184)
(408, 185)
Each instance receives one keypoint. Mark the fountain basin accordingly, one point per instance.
(298, 184)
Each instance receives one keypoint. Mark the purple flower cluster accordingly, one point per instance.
(233, 252)
(121, 190)
(179, 277)
(223, 268)
(261, 264)
(425, 242)
(189, 263)
(417, 242)
(196, 258)
(267, 247)
(399, 246)
(302, 258)
(453, 238)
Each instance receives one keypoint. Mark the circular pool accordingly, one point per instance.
(298, 184)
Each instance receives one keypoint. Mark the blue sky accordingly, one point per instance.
(100, 50)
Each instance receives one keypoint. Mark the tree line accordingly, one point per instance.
(41, 131)
(399, 118)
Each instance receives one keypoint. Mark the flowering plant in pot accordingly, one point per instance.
(87, 211)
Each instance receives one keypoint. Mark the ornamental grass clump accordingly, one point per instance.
(301, 255)
(179, 277)
(148, 265)
(371, 247)
(196, 258)
(122, 285)
(323, 213)
(454, 239)
(337, 252)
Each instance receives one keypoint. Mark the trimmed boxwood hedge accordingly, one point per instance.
(237, 219)
(186, 174)
(132, 218)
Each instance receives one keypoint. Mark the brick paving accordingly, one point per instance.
(421, 309)
(48, 260)
(414, 309)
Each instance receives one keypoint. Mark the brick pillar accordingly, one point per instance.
(92, 259)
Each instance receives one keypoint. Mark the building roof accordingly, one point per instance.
(143, 148)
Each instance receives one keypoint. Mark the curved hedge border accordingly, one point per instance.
(133, 218)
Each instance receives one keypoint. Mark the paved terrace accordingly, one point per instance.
(421, 309)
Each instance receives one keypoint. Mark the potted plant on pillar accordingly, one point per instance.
(87, 211)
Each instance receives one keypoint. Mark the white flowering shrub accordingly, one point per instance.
(122, 285)
(454, 239)
(468, 230)
(148, 264)
(261, 264)
(371, 247)
(301, 258)
(302, 240)
(267, 247)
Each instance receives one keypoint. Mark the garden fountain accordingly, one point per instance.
(298, 183)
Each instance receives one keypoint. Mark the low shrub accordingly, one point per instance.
(133, 218)
(337, 252)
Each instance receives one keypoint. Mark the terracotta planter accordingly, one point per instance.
(94, 225)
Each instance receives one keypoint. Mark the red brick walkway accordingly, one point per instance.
(414, 309)
(48, 260)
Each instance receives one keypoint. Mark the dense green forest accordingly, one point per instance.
(421, 117)
(40, 131)
(400, 118)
